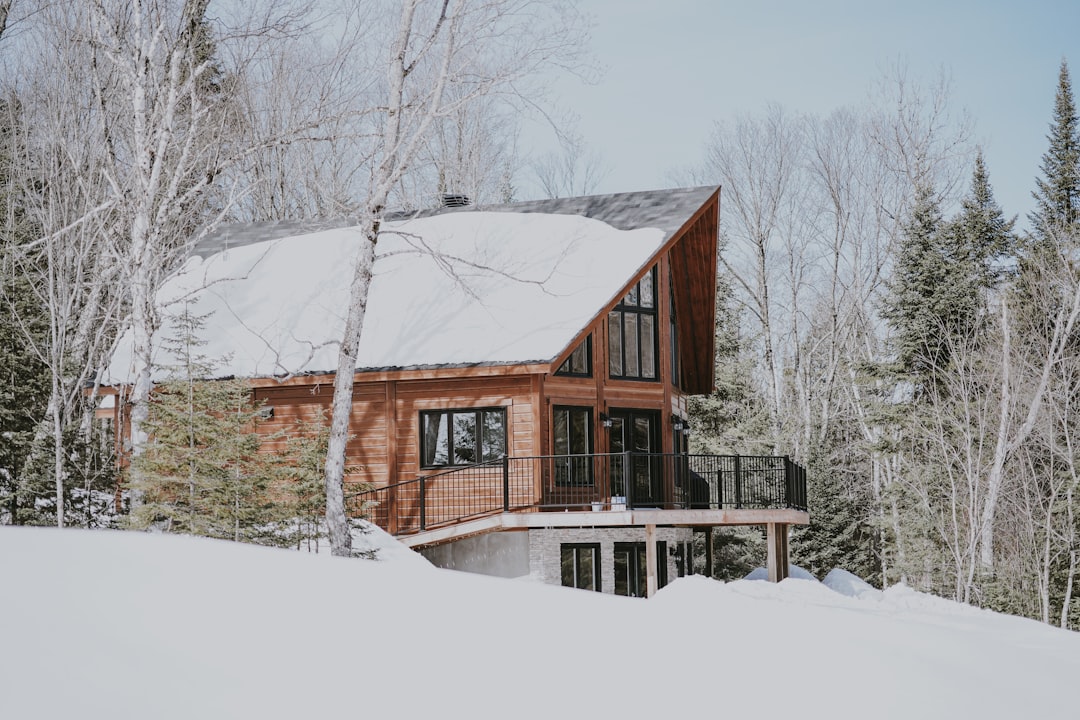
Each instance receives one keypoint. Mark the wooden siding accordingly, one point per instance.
(510, 392)
(385, 425)
(366, 458)
(693, 270)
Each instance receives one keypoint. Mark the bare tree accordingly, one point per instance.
(57, 163)
(483, 46)
(574, 169)
(757, 162)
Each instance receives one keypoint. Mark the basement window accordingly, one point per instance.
(462, 437)
(580, 565)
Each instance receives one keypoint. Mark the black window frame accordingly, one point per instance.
(635, 582)
(585, 347)
(575, 550)
(573, 469)
(631, 307)
(478, 449)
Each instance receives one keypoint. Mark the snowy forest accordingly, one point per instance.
(881, 319)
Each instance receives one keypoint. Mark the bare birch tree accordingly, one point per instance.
(481, 47)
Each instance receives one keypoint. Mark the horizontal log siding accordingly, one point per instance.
(645, 396)
(512, 392)
(576, 391)
(365, 455)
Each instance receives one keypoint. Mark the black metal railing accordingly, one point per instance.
(601, 482)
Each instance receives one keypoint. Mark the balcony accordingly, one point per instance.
(596, 483)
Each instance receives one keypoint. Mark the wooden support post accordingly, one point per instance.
(777, 543)
(650, 560)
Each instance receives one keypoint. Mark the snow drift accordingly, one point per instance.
(125, 625)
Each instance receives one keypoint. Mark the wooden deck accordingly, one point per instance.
(509, 521)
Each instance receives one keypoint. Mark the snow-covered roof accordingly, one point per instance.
(504, 285)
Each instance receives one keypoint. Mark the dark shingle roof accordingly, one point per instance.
(666, 210)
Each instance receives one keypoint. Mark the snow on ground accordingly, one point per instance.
(125, 625)
(507, 287)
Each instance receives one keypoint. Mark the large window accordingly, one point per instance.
(581, 565)
(579, 364)
(632, 335)
(462, 437)
(572, 443)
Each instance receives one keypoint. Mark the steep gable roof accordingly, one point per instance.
(499, 285)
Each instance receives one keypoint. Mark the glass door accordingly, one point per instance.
(631, 573)
(636, 432)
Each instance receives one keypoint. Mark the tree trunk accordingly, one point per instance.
(337, 522)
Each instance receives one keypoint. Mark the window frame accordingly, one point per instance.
(575, 549)
(585, 345)
(631, 306)
(478, 449)
(580, 475)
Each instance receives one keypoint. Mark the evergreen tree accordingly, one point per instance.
(915, 305)
(733, 418)
(1057, 192)
(301, 481)
(839, 535)
(975, 245)
(944, 270)
(202, 472)
(24, 378)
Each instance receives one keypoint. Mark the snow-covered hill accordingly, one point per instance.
(126, 625)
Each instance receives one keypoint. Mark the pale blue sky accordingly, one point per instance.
(674, 67)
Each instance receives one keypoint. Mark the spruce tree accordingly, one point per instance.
(944, 270)
(1057, 192)
(733, 418)
(203, 471)
(974, 246)
(914, 306)
(24, 378)
(301, 481)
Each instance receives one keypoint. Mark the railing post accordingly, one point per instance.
(392, 523)
(789, 484)
(423, 504)
(738, 483)
(804, 502)
(506, 483)
(719, 487)
(626, 474)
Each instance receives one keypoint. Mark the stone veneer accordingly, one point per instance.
(545, 556)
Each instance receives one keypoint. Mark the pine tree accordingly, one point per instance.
(203, 472)
(944, 270)
(839, 535)
(974, 245)
(23, 376)
(1057, 192)
(301, 481)
(733, 419)
(914, 306)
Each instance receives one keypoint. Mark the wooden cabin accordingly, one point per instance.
(520, 402)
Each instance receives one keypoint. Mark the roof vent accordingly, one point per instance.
(453, 200)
